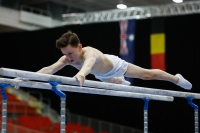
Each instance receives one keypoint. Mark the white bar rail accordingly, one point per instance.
(41, 85)
(95, 84)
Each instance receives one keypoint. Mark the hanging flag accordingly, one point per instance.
(157, 44)
(127, 35)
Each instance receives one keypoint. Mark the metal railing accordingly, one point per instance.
(132, 13)
(35, 10)
(99, 125)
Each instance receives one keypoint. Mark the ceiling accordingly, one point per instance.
(99, 5)
(89, 5)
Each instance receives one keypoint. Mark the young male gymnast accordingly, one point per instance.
(105, 67)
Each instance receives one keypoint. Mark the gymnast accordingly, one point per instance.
(105, 67)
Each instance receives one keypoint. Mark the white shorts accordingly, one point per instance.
(119, 69)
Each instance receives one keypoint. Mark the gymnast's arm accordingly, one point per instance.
(63, 61)
(89, 61)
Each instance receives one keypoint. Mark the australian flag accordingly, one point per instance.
(127, 35)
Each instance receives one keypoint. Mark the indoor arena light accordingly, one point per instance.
(121, 6)
(178, 1)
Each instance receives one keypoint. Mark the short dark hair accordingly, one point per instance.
(68, 38)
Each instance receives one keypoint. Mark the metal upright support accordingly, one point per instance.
(62, 103)
(4, 106)
(146, 105)
(196, 117)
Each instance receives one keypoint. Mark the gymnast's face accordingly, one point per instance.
(72, 53)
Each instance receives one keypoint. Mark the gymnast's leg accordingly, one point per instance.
(134, 71)
(116, 80)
